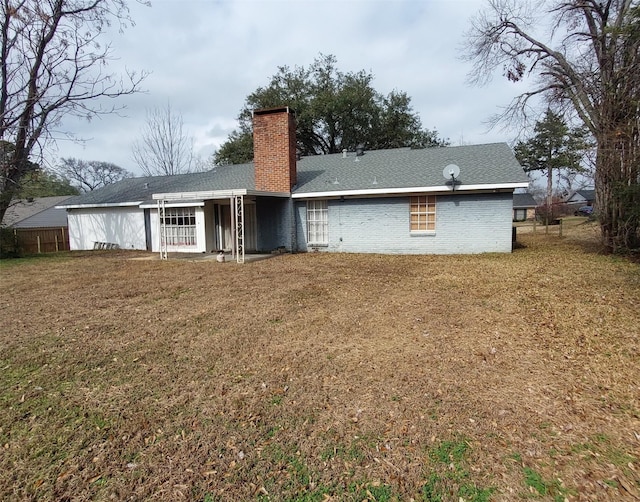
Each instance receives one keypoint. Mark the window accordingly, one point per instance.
(317, 223)
(422, 213)
(179, 226)
(520, 215)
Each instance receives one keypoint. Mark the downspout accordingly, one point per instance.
(292, 226)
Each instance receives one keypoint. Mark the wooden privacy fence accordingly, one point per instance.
(42, 240)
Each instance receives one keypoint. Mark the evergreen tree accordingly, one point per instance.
(40, 183)
(554, 147)
(334, 111)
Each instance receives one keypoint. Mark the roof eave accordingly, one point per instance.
(207, 194)
(217, 194)
(105, 204)
(261, 193)
(408, 190)
(173, 203)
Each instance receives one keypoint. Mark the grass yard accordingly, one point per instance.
(319, 377)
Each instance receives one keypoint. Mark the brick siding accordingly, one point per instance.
(274, 150)
(465, 223)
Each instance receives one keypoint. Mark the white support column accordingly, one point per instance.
(232, 211)
(239, 227)
(162, 230)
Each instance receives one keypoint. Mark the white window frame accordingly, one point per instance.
(179, 226)
(317, 223)
(422, 214)
(520, 214)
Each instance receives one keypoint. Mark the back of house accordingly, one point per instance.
(443, 200)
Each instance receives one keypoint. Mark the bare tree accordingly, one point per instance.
(90, 175)
(52, 65)
(164, 149)
(590, 65)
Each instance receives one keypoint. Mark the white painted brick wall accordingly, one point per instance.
(465, 223)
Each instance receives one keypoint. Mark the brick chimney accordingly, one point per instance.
(274, 149)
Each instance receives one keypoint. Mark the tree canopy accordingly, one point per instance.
(53, 64)
(36, 182)
(555, 147)
(42, 183)
(88, 175)
(589, 64)
(334, 111)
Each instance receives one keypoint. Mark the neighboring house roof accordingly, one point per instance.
(39, 212)
(583, 196)
(400, 170)
(523, 201)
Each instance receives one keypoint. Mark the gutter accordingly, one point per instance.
(216, 194)
(210, 194)
(105, 204)
(409, 190)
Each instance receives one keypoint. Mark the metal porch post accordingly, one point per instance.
(162, 230)
(239, 227)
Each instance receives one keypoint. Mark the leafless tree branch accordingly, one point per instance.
(163, 148)
(590, 67)
(53, 65)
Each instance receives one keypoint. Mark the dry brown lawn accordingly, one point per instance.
(323, 377)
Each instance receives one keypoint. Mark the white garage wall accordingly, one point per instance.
(120, 225)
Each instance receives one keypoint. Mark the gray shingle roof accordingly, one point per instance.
(404, 168)
(490, 164)
(523, 200)
(582, 195)
(588, 194)
(141, 189)
(37, 213)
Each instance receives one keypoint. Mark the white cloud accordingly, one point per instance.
(206, 56)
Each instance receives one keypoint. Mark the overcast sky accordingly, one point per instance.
(206, 56)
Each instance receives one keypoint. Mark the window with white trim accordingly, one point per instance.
(179, 226)
(317, 223)
(422, 213)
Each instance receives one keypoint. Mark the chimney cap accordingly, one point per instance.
(278, 109)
